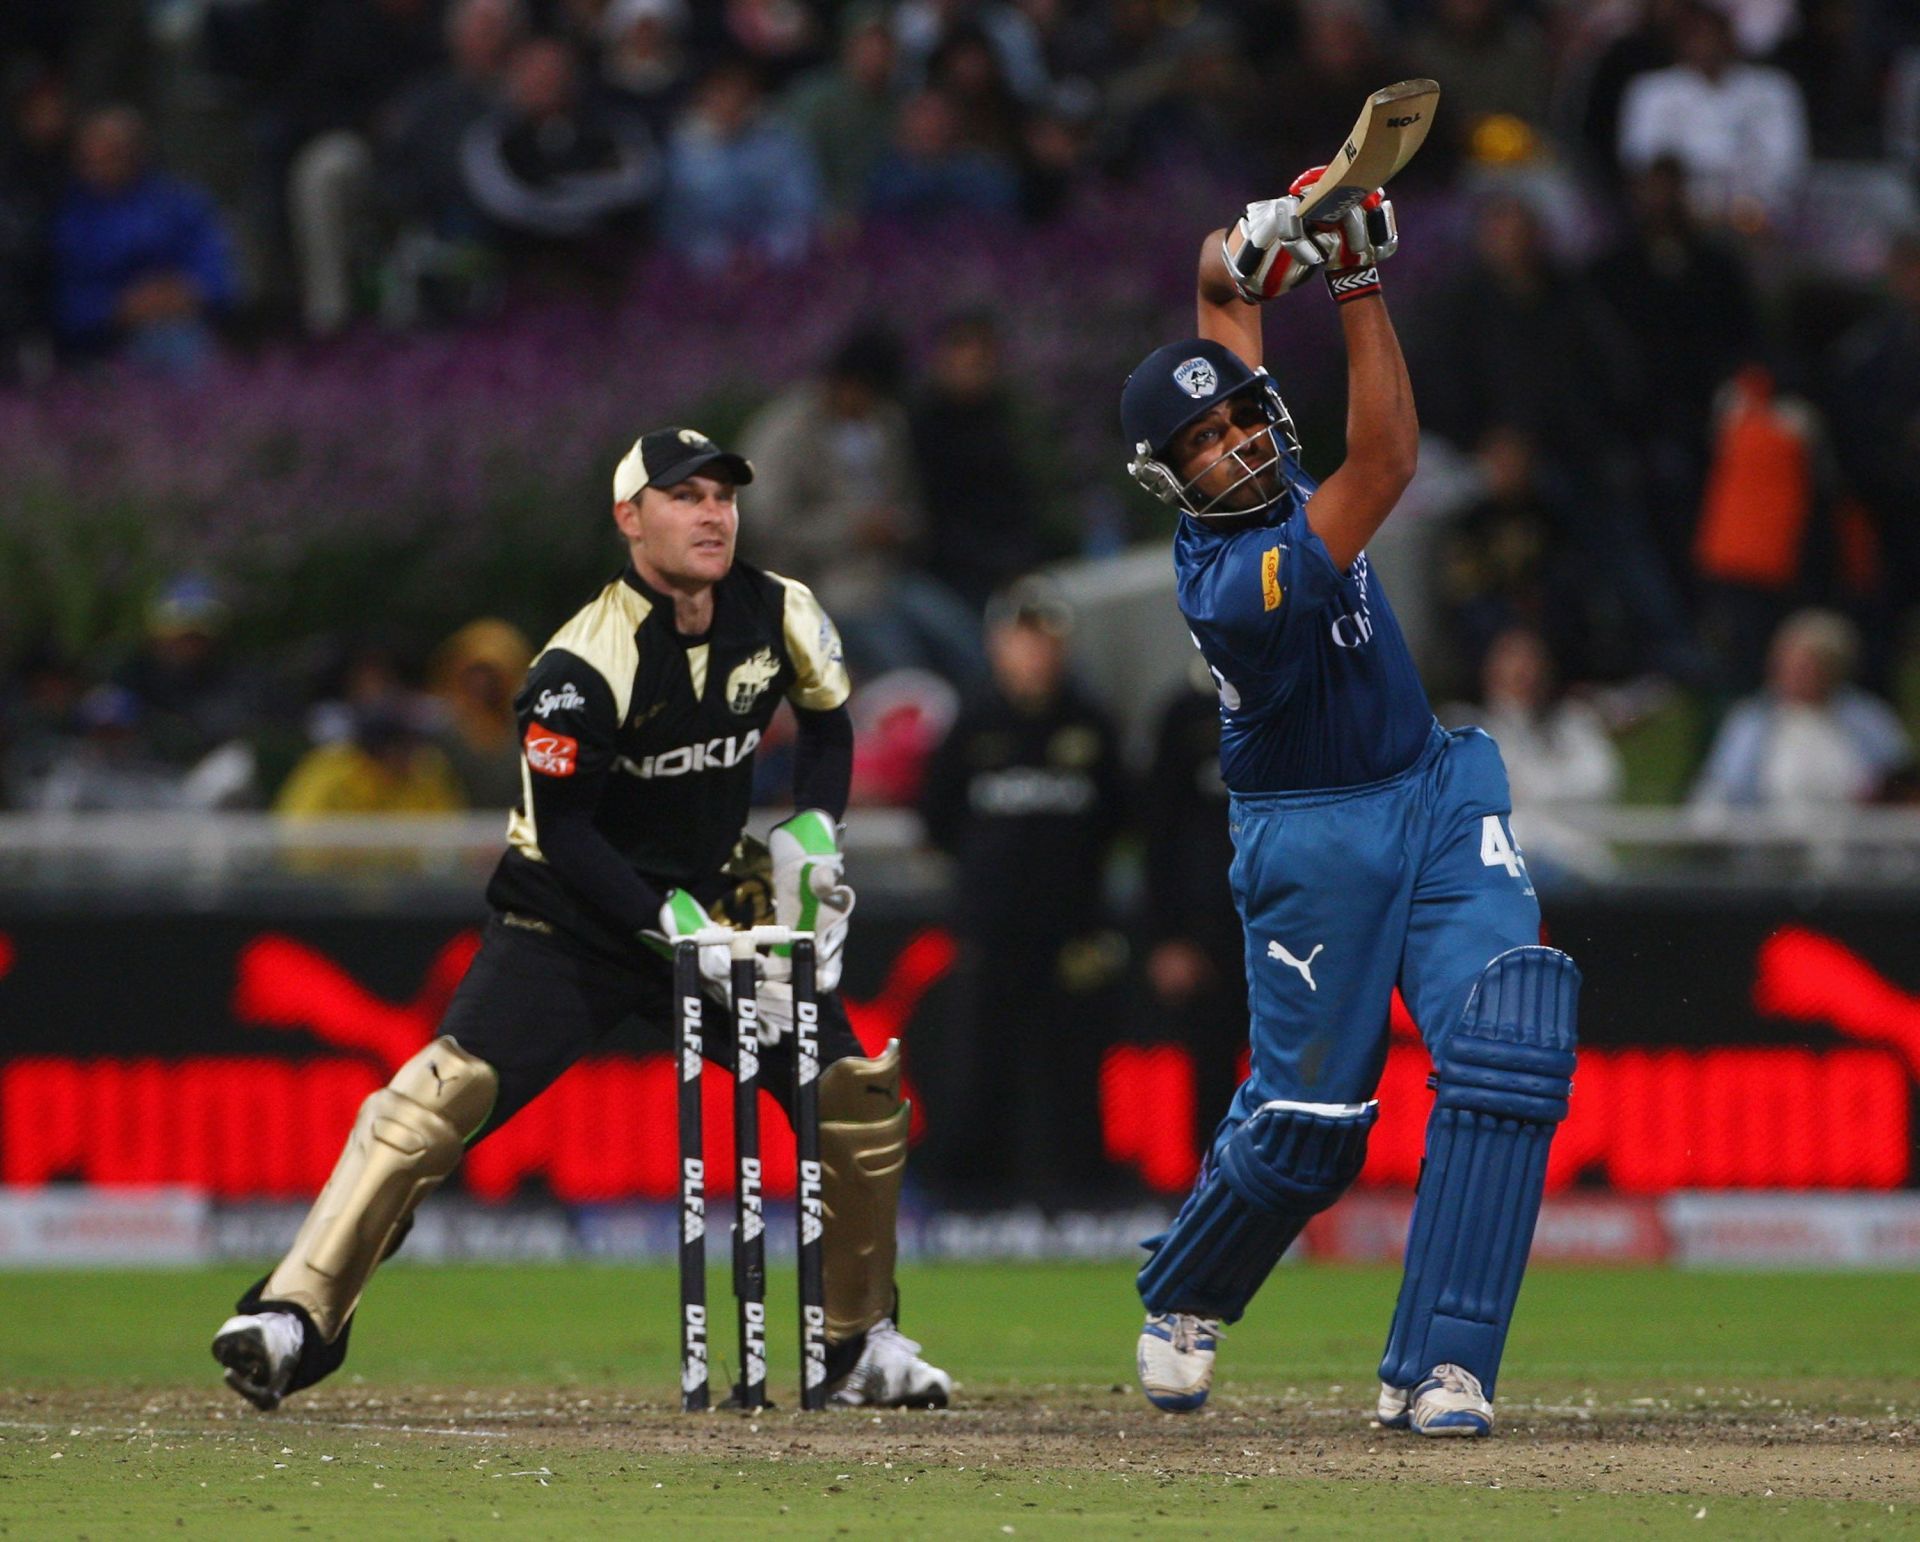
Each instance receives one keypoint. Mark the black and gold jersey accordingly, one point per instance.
(650, 735)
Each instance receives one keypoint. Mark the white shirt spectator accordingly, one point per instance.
(1800, 756)
(1559, 755)
(1740, 135)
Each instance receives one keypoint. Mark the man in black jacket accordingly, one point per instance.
(1027, 792)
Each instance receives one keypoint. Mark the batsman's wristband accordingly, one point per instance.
(1353, 284)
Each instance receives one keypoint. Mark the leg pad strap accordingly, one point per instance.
(1285, 1164)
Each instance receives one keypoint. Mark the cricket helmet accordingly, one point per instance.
(1176, 384)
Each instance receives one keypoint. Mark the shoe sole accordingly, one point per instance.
(1458, 1426)
(1176, 1402)
(249, 1367)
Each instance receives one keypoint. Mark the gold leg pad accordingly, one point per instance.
(863, 1156)
(408, 1137)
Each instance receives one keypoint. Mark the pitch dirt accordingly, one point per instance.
(1759, 1452)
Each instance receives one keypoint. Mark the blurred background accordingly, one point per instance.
(323, 322)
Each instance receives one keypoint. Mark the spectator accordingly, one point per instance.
(835, 506)
(1768, 480)
(107, 766)
(1810, 741)
(1344, 57)
(385, 766)
(1740, 130)
(970, 457)
(201, 705)
(1204, 113)
(474, 674)
(1493, 63)
(1837, 57)
(1687, 307)
(441, 230)
(1195, 962)
(987, 115)
(1027, 794)
(846, 110)
(1506, 561)
(645, 67)
(37, 715)
(551, 169)
(1557, 749)
(140, 262)
(1874, 379)
(922, 26)
(928, 172)
(740, 182)
(779, 38)
(1597, 84)
(1517, 344)
(341, 66)
(33, 161)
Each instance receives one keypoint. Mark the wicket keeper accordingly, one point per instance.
(1372, 849)
(638, 724)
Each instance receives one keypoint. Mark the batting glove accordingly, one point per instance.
(1269, 251)
(810, 891)
(1365, 236)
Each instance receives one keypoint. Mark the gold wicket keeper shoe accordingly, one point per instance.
(259, 1350)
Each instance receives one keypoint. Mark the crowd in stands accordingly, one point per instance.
(1663, 310)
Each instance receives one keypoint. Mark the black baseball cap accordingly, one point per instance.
(670, 455)
(1173, 385)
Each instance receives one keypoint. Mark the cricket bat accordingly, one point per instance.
(1391, 128)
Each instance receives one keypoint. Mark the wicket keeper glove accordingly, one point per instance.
(681, 916)
(810, 891)
(1269, 251)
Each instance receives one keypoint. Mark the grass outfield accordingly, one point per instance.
(536, 1401)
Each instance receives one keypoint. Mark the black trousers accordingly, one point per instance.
(533, 1003)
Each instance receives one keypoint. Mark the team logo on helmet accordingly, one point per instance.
(750, 680)
(695, 438)
(1197, 378)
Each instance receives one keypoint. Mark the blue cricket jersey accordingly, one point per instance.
(1317, 688)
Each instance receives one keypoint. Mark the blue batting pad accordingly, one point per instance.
(1285, 1164)
(1501, 1085)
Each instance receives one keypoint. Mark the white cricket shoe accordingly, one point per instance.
(1390, 1408)
(891, 1374)
(260, 1350)
(1450, 1402)
(1175, 1358)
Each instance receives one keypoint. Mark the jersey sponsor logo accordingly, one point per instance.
(749, 681)
(1197, 377)
(687, 759)
(1270, 591)
(830, 642)
(551, 754)
(1354, 627)
(1024, 790)
(553, 701)
(1278, 952)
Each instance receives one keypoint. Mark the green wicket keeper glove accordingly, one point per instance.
(810, 891)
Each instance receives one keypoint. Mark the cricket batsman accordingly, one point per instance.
(1372, 848)
(638, 722)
